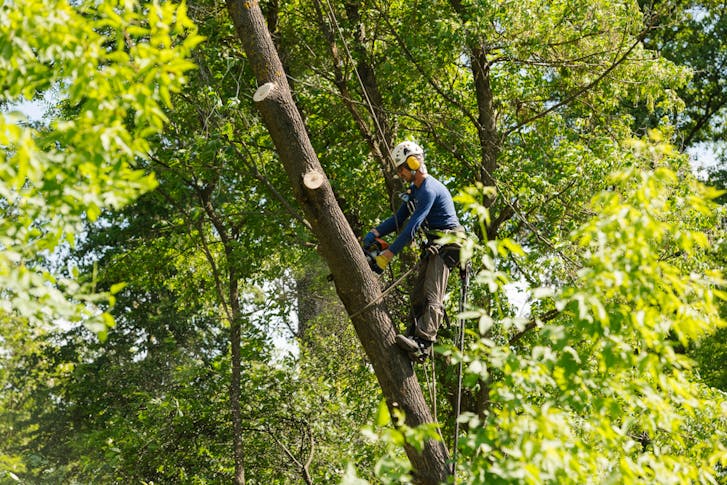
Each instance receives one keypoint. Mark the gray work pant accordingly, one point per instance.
(428, 296)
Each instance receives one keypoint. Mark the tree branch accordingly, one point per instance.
(546, 317)
(578, 92)
(274, 191)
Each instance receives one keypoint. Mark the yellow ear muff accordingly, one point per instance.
(413, 163)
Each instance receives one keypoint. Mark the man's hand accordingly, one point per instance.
(383, 259)
(368, 239)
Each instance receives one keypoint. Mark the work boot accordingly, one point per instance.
(417, 348)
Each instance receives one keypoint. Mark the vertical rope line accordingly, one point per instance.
(430, 386)
(434, 391)
(464, 275)
(334, 20)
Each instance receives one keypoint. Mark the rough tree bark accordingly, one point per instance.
(355, 284)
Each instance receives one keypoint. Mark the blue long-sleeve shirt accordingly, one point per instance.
(430, 205)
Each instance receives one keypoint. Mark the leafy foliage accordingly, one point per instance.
(114, 64)
(603, 392)
(585, 381)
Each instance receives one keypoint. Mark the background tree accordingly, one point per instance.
(692, 34)
(709, 352)
(54, 179)
(539, 101)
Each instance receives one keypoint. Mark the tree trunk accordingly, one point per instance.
(234, 315)
(354, 280)
(235, 334)
(486, 130)
(319, 308)
(310, 305)
(379, 133)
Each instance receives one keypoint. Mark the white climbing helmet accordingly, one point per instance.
(404, 150)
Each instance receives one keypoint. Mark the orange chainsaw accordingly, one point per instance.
(374, 249)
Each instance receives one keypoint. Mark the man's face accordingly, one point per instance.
(404, 173)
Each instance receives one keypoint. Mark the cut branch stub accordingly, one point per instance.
(263, 92)
(313, 179)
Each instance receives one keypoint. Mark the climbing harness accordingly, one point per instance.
(380, 246)
(464, 274)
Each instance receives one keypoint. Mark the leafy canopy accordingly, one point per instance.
(114, 65)
(602, 393)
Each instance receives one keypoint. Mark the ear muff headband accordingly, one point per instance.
(413, 162)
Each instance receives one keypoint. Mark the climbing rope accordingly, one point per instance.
(332, 18)
(464, 274)
(386, 291)
(432, 387)
(434, 392)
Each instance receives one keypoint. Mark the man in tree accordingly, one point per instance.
(428, 206)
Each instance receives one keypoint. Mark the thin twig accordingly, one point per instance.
(547, 316)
